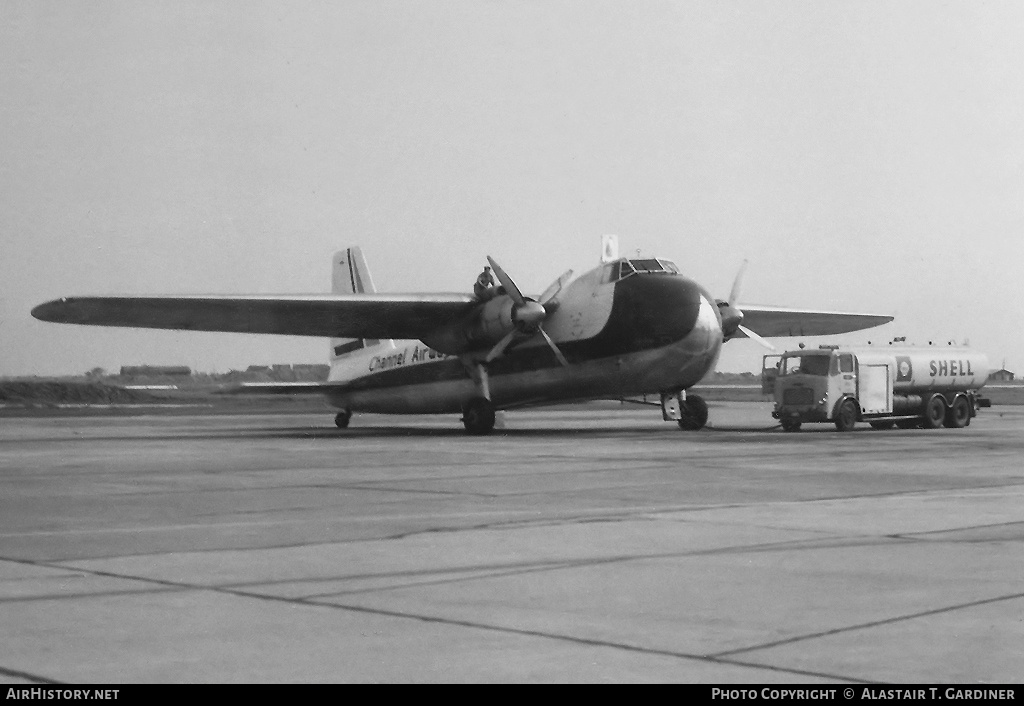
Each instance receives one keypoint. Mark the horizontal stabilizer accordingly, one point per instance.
(324, 315)
(779, 321)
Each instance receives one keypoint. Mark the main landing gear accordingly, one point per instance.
(478, 416)
(478, 411)
(689, 411)
(342, 418)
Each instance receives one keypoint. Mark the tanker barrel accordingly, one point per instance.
(936, 368)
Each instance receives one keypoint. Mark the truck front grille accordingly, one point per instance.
(798, 395)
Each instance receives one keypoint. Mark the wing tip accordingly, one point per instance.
(55, 311)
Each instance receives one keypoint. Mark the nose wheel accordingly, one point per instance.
(689, 411)
(341, 419)
(693, 413)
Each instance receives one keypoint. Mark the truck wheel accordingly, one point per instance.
(934, 412)
(959, 415)
(693, 413)
(887, 424)
(790, 426)
(846, 417)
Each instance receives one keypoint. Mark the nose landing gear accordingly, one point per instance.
(693, 413)
(689, 411)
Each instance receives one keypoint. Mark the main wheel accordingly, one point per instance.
(787, 425)
(693, 413)
(934, 412)
(886, 424)
(846, 417)
(341, 419)
(478, 416)
(959, 415)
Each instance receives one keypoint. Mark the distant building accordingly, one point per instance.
(1002, 375)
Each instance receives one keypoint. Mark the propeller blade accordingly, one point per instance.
(510, 287)
(552, 291)
(500, 347)
(554, 348)
(757, 338)
(734, 295)
(528, 314)
(732, 315)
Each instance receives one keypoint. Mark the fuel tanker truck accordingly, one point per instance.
(905, 386)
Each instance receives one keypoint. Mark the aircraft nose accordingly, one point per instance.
(657, 310)
(705, 330)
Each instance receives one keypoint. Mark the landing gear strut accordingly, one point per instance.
(478, 412)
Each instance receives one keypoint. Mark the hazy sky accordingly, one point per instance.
(864, 156)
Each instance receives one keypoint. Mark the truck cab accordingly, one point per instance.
(808, 384)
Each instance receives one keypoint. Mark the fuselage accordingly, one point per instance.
(623, 330)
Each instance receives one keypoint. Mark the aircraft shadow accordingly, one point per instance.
(456, 432)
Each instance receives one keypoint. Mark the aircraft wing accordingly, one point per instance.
(780, 321)
(323, 315)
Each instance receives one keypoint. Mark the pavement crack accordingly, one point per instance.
(871, 624)
(86, 595)
(439, 620)
(574, 639)
(27, 676)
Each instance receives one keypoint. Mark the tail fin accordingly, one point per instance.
(350, 275)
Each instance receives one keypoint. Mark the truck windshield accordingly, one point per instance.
(811, 364)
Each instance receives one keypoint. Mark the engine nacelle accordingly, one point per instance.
(496, 319)
(484, 326)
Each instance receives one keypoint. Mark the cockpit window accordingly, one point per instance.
(647, 266)
(618, 270)
(621, 269)
(660, 266)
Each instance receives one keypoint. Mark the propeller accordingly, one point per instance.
(528, 315)
(732, 315)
